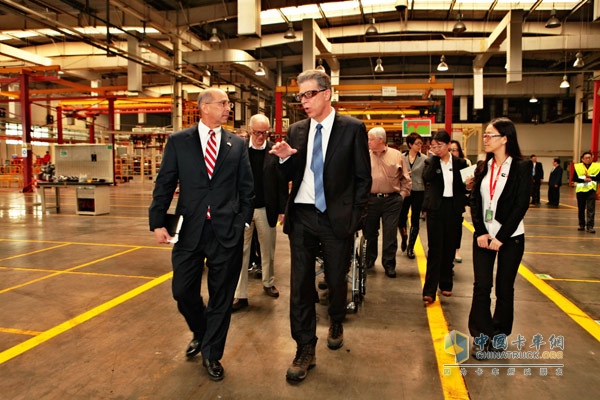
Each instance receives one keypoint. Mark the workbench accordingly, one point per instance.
(91, 198)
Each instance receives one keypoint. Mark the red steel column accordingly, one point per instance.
(59, 125)
(448, 112)
(26, 126)
(278, 112)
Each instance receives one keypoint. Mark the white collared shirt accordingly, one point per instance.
(203, 132)
(488, 203)
(448, 177)
(306, 192)
(251, 145)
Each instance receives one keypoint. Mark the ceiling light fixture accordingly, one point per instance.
(578, 60)
(553, 22)
(371, 29)
(260, 71)
(533, 99)
(320, 67)
(442, 66)
(379, 67)
(565, 82)
(290, 34)
(459, 26)
(214, 39)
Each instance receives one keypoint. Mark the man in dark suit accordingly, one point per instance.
(327, 159)
(271, 192)
(537, 172)
(554, 183)
(211, 166)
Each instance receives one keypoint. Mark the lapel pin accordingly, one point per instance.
(228, 144)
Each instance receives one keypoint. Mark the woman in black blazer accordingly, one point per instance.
(499, 201)
(444, 202)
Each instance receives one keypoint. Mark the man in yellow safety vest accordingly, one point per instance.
(586, 176)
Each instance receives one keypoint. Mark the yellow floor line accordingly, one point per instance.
(34, 252)
(78, 320)
(161, 247)
(549, 253)
(56, 273)
(19, 331)
(571, 280)
(576, 314)
(453, 383)
(75, 272)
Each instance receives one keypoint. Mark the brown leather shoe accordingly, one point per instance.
(271, 291)
(238, 304)
(446, 293)
(428, 299)
(304, 360)
(335, 337)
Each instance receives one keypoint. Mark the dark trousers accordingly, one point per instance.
(209, 323)
(509, 258)
(441, 243)
(387, 211)
(553, 195)
(310, 231)
(586, 206)
(414, 202)
(535, 191)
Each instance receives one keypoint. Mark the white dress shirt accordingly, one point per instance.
(306, 192)
(203, 131)
(487, 202)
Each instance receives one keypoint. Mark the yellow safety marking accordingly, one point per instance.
(548, 253)
(571, 280)
(574, 238)
(161, 247)
(19, 331)
(56, 273)
(78, 320)
(75, 272)
(453, 384)
(576, 313)
(34, 252)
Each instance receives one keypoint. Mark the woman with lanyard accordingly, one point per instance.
(444, 202)
(415, 162)
(499, 201)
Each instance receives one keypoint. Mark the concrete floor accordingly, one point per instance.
(86, 313)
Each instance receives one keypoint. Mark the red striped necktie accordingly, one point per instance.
(210, 158)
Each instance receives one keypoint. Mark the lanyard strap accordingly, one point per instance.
(494, 181)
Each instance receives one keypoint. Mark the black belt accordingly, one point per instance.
(384, 195)
(309, 207)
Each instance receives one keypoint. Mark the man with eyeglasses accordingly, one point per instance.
(211, 166)
(271, 191)
(326, 156)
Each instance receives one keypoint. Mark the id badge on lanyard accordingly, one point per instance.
(489, 215)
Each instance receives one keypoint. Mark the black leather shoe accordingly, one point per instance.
(410, 253)
(390, 272)
(193, 348)
(238, 304)
(591, 230)
(214, 368)
(581, 228)
(271, 291)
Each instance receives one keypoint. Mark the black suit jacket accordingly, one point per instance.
(275, 186)
(512, 204)
(539, 171)
(229, 193)
(346, 172)
(555, 177)
(434, 184)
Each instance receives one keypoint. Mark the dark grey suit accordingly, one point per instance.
(229, 194)
(347, 182)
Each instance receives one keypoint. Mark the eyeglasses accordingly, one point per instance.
(309, 94)
(490, 135)
(418, 143)
(223, 103)
(453, 149)
(261, 133)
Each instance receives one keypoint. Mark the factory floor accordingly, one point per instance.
(86, 313)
